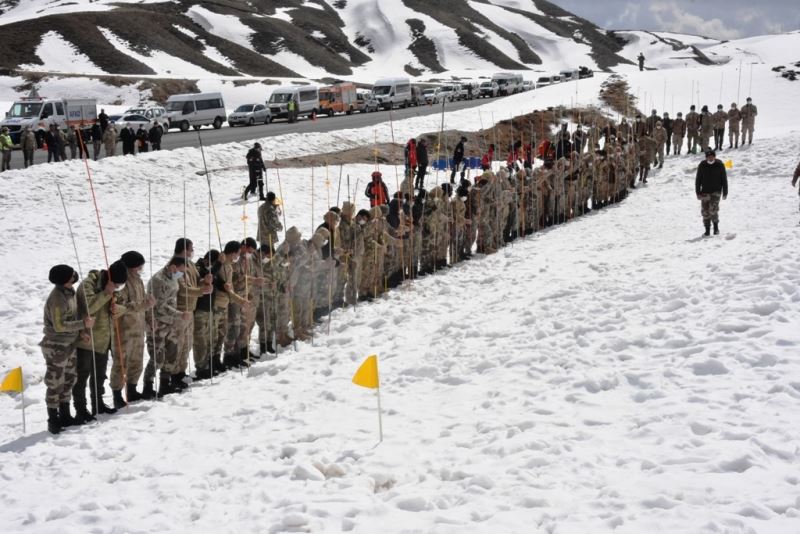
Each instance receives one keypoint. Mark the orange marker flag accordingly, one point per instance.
(367, 376)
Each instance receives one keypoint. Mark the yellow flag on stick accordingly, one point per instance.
(13, 381)
(729, 164)
(367, 374)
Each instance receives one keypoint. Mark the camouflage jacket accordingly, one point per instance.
(351, 239)
(134, 300)
(269, 224)
(692, 122)
(679, 127)
(62, 325)
(189, 288)
(99, 306)
(164, 289)
(734, 116)
(719, 119)
(749, 112)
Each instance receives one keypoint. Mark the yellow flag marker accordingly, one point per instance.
(729, 164)
(13, 383)
(367, 376)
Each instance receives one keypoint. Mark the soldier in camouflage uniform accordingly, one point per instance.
(706, 131)
(162, 341)
(374, 249)
(131, 329)
(294, 253)
(272, 310)
(748, 113)
(351, 241)
(639, 128)
(458, 211)
(206, 319)
(96, 297)
(543, 189)
(647, 151)
(62, 328)
(190, 288)
(269, 221)
(718, 121)
(233, 302)
(322, 272)
(247, 282)
(734, 118)
(660, 136)
(692, 130)
(624, 130)
(678, 133)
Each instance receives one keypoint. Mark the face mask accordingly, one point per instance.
(264, 260)
(119, 288)
(361, 223)
(248, 255)
(235, 260)
(178, 275)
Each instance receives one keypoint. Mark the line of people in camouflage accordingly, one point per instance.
(211, 307)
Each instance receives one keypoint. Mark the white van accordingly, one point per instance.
(391, 92)
(569, 75)
(507, 83)
(306, 96)
(195, 110)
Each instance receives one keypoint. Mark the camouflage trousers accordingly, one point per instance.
(272, 316)
(184, 328)
(163, 350)
(677, 142)
(660, 154)
(352, 272)
(704, 138)
(204, 333)
(110, 148)
(61, 374)
(691, 142)
(132, 341)
(221, 332)
(733, 133)
(302, 310)
(747, 132)
(92, 369)
(234, 328)
(248, 321)
(709, 207)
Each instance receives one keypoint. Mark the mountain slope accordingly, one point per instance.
(304, 38)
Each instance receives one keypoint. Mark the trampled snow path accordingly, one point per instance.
(614, 373)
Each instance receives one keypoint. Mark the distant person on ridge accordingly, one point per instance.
(458, 159)
(795, 177)
(641, 61)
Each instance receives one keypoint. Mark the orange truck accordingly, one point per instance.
(338, 98)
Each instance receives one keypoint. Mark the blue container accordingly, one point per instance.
(474, 162)
(442, 164)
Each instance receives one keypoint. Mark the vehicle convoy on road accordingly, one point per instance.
(249, 114)
(341, 97)
(39, 113)
(507, 83)
(195, 110)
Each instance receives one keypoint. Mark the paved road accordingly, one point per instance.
(175, 139)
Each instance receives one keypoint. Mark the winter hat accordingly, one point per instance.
(376, 174)
(680, 114)
(132, 259)
(118, 272)
(375, 213)
(719, 106)
(232, 247)
(271, 197)
(293, 235)
(257, 146)
(463, 139)
(348, 208)
(710, 152)
(733, 104)
(320, 237)
(749, 99)
(61, 274)
(384, 209)
(691, 107)
(705, 108)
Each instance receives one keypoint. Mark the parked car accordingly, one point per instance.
(431, 96)
(365, 102)
(150, 112)
(569, 75)
(527, 85)
(556, 79)
(585, 72)
(544, 81)
(135, 121)
(250, 114)
(447, 93)
(488, 90)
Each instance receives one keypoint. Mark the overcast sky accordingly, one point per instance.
(722, 19)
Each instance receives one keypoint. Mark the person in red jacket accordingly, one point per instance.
(376, 192)
(411, 157)
(488, 158)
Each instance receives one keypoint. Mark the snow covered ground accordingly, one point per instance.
(614, 373)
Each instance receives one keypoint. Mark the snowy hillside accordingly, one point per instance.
(617, 373)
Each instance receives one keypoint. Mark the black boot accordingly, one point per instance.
(177, 383)
(202, 374)
(708, 228)
(64, 417)
(164, 386)
(231, 360)
(101, 407)
(218, 366)
(148, 392)
(119, 402)
(53, 421)
(133, 395)
(82, 414)
(262, 347)
(243, 357)
(716, 228)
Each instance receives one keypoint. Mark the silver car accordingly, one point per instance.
(250, 114)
